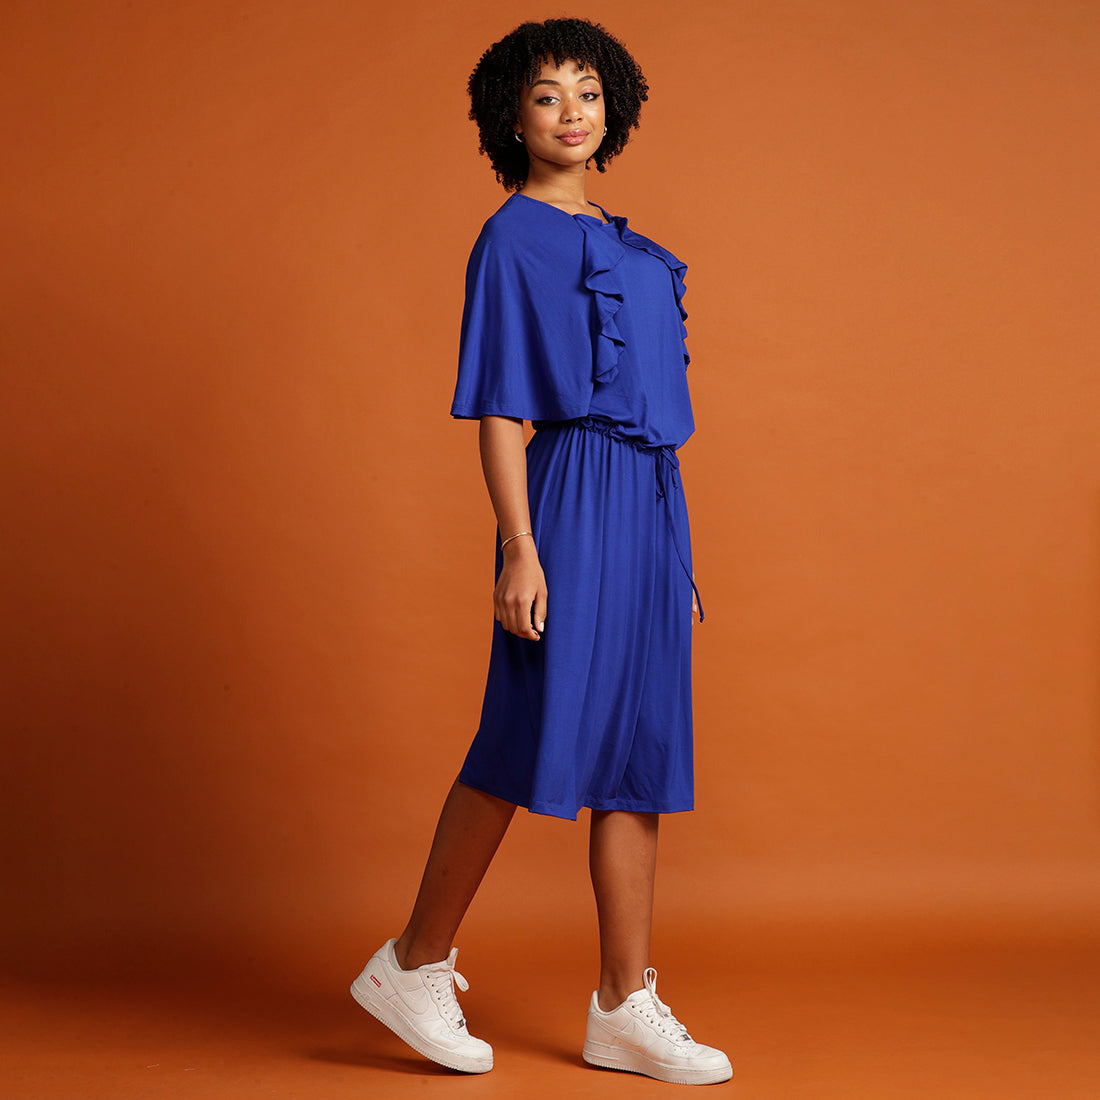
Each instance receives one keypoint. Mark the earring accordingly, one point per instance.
(519, 137)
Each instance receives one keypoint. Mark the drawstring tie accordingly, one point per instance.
(667, 465)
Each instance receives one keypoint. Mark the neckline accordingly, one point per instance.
(608, 219)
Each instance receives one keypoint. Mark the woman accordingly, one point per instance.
(572, 321)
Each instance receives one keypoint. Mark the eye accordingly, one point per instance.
(546, 99)
(590, 97)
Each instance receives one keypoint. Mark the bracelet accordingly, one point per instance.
(504, 542)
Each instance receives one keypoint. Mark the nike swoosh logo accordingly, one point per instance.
(416, 1000)
(632, 1035)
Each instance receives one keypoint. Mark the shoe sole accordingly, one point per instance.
(628, 1062)
(400, 1027)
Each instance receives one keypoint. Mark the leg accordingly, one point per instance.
(409, 984)
(628, 1027)
(622, 858)
(471, 826)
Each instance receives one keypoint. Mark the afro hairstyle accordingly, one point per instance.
(513, 63)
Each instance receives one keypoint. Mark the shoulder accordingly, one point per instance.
(524, 226)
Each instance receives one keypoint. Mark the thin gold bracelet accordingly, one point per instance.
(504, 542)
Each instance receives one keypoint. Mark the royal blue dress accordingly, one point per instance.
(577, 325)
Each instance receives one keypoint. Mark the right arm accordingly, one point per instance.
(519, 599)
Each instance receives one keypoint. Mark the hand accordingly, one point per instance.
(519, 599)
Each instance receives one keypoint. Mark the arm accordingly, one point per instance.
(520, 595)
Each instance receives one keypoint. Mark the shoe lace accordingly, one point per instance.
(659, 1014)
(441, 981)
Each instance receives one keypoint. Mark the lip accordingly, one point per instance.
(573, 137)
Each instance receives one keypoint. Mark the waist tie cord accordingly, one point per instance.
(668, 480)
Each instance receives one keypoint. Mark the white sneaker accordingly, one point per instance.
(642, 1036)
(420, 1007)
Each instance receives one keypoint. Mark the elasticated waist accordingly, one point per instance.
(666, 466)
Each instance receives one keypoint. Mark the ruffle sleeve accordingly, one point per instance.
(533, 328)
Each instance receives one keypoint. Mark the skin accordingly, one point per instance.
(519, 599)
(622, 845)
(562, 99)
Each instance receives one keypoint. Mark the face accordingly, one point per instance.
(561, 115)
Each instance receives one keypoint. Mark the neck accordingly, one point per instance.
(556, 184)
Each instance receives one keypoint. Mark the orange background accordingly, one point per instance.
(247, 555)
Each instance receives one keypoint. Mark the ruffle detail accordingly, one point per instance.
(602, 255)
(603, 252)
(677, 267)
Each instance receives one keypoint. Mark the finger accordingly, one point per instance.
(524, 627)
(538, 612)
(519, 619)
(521, 631)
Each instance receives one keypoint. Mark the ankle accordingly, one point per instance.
(412, 954)
(612, 994)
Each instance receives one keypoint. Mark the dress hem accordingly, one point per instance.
(547, 809)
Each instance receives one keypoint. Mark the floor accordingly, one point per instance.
(831, 1013)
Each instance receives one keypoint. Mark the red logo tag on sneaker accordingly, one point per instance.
(376, 981)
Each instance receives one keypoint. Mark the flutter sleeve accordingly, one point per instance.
(526, 347)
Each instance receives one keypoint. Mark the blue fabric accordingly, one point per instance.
(578, 325)
(547, 329)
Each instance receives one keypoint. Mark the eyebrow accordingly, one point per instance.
(557, 83)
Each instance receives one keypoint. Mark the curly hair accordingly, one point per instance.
(513, 63)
